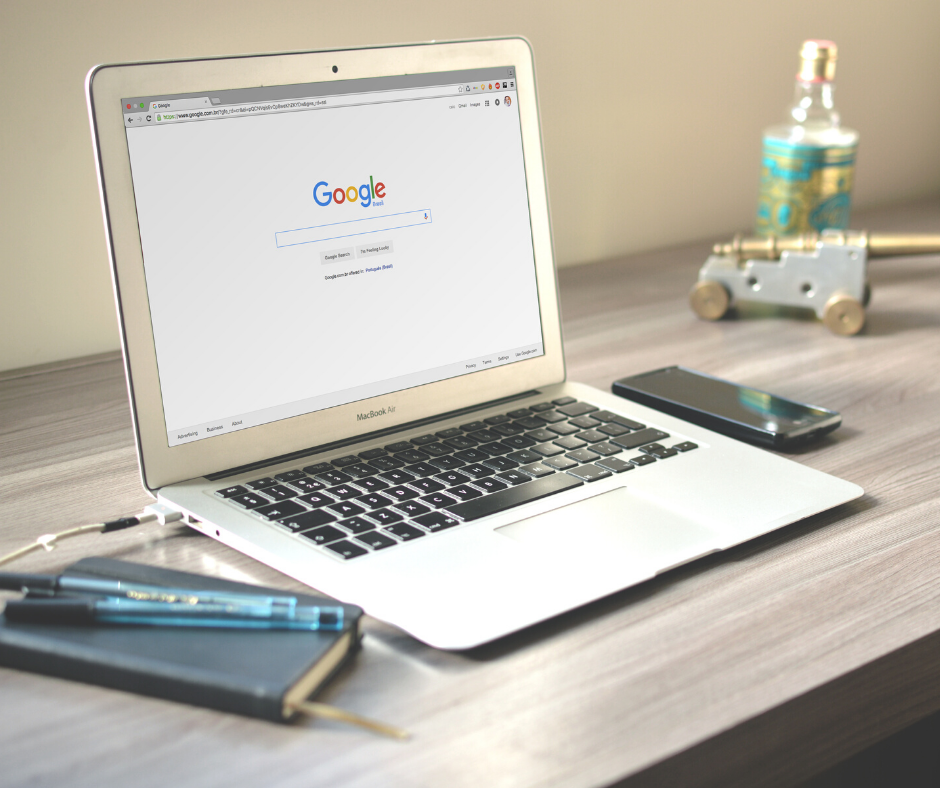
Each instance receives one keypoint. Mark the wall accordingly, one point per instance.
(651, 117)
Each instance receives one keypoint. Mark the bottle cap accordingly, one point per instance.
(818, 61)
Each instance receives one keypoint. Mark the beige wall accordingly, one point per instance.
(651, 117)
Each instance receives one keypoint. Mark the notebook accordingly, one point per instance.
(257, 673)
(337, 297)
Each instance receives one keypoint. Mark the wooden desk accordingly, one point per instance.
(762, 665)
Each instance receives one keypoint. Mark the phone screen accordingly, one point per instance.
(728, 400)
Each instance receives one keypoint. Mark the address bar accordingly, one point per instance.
(301, 104)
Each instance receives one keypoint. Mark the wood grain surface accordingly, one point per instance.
(759, 666)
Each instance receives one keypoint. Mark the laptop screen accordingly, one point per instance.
(308, 246)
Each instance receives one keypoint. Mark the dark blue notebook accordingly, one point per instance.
(259, 673)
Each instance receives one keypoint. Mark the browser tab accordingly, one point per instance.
(176, 104)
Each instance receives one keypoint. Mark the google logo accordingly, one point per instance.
(363, 195)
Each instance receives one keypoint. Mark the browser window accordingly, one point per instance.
(308, 246)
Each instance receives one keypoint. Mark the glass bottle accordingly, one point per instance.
(808, 163)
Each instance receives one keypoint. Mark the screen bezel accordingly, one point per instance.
(107, 85)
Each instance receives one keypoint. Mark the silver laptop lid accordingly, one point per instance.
(313, 246)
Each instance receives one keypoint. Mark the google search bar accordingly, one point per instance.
(354, 227)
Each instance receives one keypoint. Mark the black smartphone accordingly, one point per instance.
(737, 411)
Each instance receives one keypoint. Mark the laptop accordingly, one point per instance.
(337, 297)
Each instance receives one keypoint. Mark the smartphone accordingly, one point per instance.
(737, 411)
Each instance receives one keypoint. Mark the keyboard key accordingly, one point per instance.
(553, 416)
(422, 440)
(372, 454)
(485, 436)
(518, 442)
(401, 493)
(613, 429)
(563, 428)
(548, 449)
(530, 423)
(307, 520)
(356, 525)
(521, 413)
(376, 540)
(490, 484)
(397, 477)
(461, 442)
(494, 420)
(371, 484)
(605, 449)
(421, 469)
(582, 455)
(508, 429)
(542, 407)
(288, 476)
(524, 457)
(347, 549)
(360, 470)
(643, 459)
(249, 500)
(344, 492)
(473, 426)
(317, 499)
(385, 516)
(476, 470)
(449, 433)
(495, 449)
(320, 467)
(437, 449)
(280, 493)
(641, 438)
(436, 521)
(471, 455)
(560, 463)
(260, 484)
(231, 492)
(623, 421)
(387, 463)
(333, 477)
(402, 445)
(324, 534)
(564, 401)
(374, 500)
(411, 456)
(464, 492)
(577, 409)
(346, 509)
(684, 446)
(277, 511)
(664, 453)
(616, 465)
(514, 496)
(452, 477)
(412, 508)
(426, 485)
(541, 435)
(591, 436)
(500, 464)
(652, 448)
(569, 443)
(590, 473)
(584, 422)
(342, 462)
(445, 463)
(405, 532)
(537, 470)
(514, 477)
(306, 485)
(438, 500)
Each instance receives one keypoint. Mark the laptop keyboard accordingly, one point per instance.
(388, 495)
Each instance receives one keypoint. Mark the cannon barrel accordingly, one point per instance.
(877, 244)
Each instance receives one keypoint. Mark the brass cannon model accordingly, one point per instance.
(826, 272)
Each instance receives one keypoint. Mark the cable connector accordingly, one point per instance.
(161, 513)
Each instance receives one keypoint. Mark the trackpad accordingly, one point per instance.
(618, 527)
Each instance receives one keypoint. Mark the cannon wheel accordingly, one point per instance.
(844, 315)
(709, 299)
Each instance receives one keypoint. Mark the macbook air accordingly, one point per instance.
(337, 297)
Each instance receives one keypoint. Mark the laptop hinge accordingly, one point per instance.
(369, 436)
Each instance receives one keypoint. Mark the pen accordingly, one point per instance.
(116, 610)
(48, 585)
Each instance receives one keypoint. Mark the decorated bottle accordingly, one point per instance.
(808, 164)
